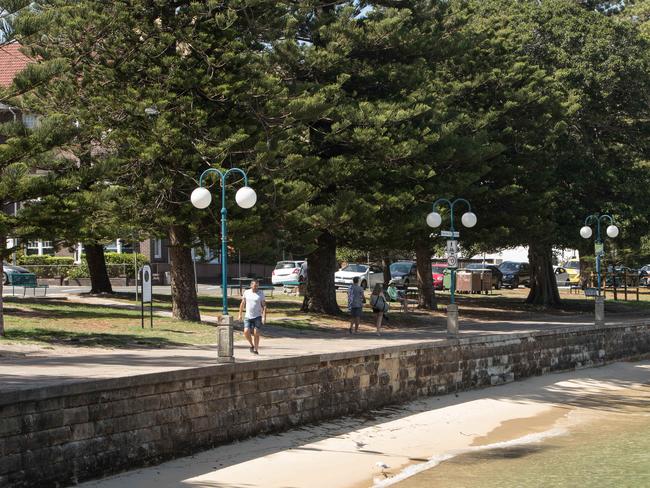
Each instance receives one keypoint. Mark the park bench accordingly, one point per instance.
(591, 292)
(240, 289)
(26, 280)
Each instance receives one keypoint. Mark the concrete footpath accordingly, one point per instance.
(25, 367)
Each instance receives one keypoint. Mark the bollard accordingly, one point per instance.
(225, 348)
(452, 320)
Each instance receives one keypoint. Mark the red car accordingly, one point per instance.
(438, 274)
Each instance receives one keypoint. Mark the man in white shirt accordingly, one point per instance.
(255, 304)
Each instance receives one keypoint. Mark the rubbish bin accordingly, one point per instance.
(486, 280)
(469, 281)
(446, 279)
(464, 281)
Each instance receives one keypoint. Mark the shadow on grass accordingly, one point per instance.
(165, 301)
(93, 339)
(65, 309)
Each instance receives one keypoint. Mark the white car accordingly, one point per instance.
(289, 272)
(561, 276)
(368, 275)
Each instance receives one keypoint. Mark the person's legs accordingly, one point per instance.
(380, 316)
(357, 320)
(247, 333)
(257, 338)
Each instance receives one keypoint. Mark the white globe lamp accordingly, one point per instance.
(612, 231)
(201, 197)
(469, 219)
(246, 197)
(434, 219)
(585, 232)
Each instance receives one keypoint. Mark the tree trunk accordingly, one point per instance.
(185, 305)
(426, 298)
(320, 279)
(386, 261)
(543, 286)
(99, 280)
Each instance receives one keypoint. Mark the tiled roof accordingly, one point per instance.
(12, 61)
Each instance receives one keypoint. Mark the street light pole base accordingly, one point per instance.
(225, 348)
(600, 312)
(452, 320)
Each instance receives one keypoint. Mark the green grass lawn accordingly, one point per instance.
(61, 322)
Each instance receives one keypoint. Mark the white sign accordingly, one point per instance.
(452, 247)
(145, 277)
(452, 261)
(448, 233)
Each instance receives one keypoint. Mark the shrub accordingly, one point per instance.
(118, 265)
(47, 266)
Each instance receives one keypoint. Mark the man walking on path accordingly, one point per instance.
(255, 316)
(356, 299)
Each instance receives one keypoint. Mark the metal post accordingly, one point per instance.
(142, 305)
(225, 351)
(452, 309)
(599, 311)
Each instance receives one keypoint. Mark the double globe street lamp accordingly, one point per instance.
(586, 233)
(245, 198)
(468, 219)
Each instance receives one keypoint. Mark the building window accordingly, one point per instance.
(157, 248)
(39, 248)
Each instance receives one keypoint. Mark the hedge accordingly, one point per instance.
(118, 265)
(47, 266)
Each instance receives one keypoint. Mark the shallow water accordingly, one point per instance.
(609, 450)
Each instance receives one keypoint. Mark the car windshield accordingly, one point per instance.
(438, 269)
(572, 265)
(287, 265)
(476, 266)
(356, 268)
(509, 267)
(403, 268)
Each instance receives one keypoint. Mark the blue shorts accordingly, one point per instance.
(255, 323)
(356, 311)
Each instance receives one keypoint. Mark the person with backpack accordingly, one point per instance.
(379, 305)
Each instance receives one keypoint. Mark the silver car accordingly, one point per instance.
(10, 269)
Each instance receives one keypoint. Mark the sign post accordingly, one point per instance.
(145, 280)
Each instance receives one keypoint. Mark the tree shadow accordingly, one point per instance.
(89, 339)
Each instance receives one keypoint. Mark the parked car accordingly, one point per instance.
(497, 275)
(403, 273)
(572, 267)
(368, 275)
(515, 274)
(621, 276)
(10, 269)
(644, 275)
(561, 276)
(438, 275)
(289, 272)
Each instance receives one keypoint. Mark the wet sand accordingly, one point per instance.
(351, 452)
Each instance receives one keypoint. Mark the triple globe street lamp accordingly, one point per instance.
(468, 219)
(245, 198)
(586, 233)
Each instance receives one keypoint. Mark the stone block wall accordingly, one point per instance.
(57, 436)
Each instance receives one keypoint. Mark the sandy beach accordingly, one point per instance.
(389, 445)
